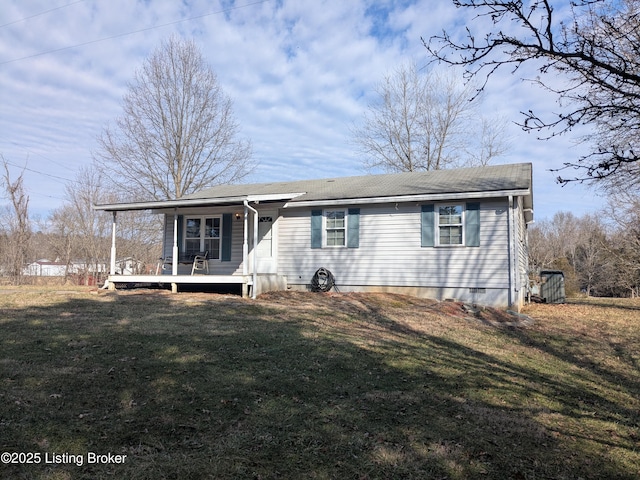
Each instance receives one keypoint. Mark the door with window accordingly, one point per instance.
(265, 251)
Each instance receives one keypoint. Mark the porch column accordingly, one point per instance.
(245, 250)
(174, 251)
(254, 259)
(112, 269)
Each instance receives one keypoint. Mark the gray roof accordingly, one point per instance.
(477, 182)
(496, 178)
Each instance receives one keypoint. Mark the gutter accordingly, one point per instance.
(407, 198)
(196, 202)
(512, 238)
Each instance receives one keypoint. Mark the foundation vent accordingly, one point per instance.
(477, 290)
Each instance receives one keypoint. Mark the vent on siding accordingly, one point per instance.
(477, 290)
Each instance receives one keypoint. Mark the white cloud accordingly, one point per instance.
(300, 74)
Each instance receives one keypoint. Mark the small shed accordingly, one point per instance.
(552, 286)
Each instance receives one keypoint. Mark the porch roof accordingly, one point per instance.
(194, 202)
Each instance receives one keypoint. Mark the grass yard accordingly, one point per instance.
(313, 386)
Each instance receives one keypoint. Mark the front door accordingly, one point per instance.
(265, 252)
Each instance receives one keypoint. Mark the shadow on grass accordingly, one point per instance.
(595, 382)
(221, 388)
(605, 302)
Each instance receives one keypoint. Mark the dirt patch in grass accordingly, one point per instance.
(328, 386)
(496, 317)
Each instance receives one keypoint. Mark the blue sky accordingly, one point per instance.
(300, 73)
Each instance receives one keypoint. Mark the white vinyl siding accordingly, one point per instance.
(390, 251)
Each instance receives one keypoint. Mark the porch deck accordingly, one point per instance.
(263, 282)
(175, 280)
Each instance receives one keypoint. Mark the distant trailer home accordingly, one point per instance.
(459, 234)
(45, 268)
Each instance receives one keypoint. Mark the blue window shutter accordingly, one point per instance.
(316, 228)
(472, 225)
(353, 228)
(225, 256)
(427, 224)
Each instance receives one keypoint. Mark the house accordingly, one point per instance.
(45, 268)
(127, 266)
(459, 234)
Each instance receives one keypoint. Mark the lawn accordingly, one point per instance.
(149, 385)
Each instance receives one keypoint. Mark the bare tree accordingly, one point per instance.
(591, 253)
(426, 121)
(178, 133)
(553, 244)
(541, 251)
(81, 234)
(17, 225)
(599, 253)
(595, 51)
(624, 248)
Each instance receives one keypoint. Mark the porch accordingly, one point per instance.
(245, 281)
(251, 286)
(236, 232)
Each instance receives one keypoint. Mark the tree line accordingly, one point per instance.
(73, 235)
(599, 252)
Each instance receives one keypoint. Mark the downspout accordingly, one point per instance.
(245, 241)
(255, 246)
(510, 239)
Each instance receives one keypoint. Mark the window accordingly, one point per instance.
(265, 237)
(442, 225)
(450, 225)
(202, 234)
(336, 228)
(192, 236)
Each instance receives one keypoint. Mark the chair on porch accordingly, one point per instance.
(200, 263)
(164, 265)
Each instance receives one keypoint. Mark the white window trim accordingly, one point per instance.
(324, 227)
(437, 225)
(203, 219)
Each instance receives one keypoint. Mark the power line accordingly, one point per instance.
(41, 13)
(42, 195)
(30, 152)
(55, 177)
(132, 32)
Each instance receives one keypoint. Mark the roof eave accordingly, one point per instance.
(195, 202)
(427, 197)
